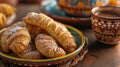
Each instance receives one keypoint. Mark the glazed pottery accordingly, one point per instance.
(52, 9)
(77, 7)
(106, 25)
(80, 41)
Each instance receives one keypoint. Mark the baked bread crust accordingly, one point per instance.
(55, 29)
(48, 46)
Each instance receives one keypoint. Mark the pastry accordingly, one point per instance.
(19, 41)
(9, 13)
(55, 29)
(7, 9)
(48, 46)
(3, 19)
(30, 53)
(33, 29)
(6, 21)
(16, 38)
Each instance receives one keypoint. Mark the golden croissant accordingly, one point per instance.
(57, 30)
(15, 38)
(48, 46)
(3, 20)
(7, 9)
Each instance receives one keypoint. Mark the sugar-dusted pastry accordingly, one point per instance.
(57, 30)
(3, 19)
(19, 40)
(16, 38)
(48, 46)
(30, 53)
(7, 9)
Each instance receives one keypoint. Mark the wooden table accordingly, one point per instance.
(99, 55)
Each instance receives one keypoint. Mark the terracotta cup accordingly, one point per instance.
(106, 24)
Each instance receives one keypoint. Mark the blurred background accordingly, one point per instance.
(99, 2)
(15, 2)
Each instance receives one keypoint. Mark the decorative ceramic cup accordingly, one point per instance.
(77, 7)
(106, 24)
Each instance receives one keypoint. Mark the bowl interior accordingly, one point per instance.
(80, 41)
(110, 12)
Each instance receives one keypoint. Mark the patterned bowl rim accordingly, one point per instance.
(66, 19)
(53, 59)
(67, 6)
(105, 8)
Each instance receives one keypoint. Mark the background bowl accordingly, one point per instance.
(52, 9)
(80, 41)
(80, 8)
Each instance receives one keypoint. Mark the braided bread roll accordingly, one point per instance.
(7, 9)
(57, 30)
(48, 46)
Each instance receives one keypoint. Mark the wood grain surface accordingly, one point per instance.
(100, 55)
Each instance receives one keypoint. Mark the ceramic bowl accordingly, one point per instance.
(80, 41)
(52, 9)
(106, 27)
(77, 7)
